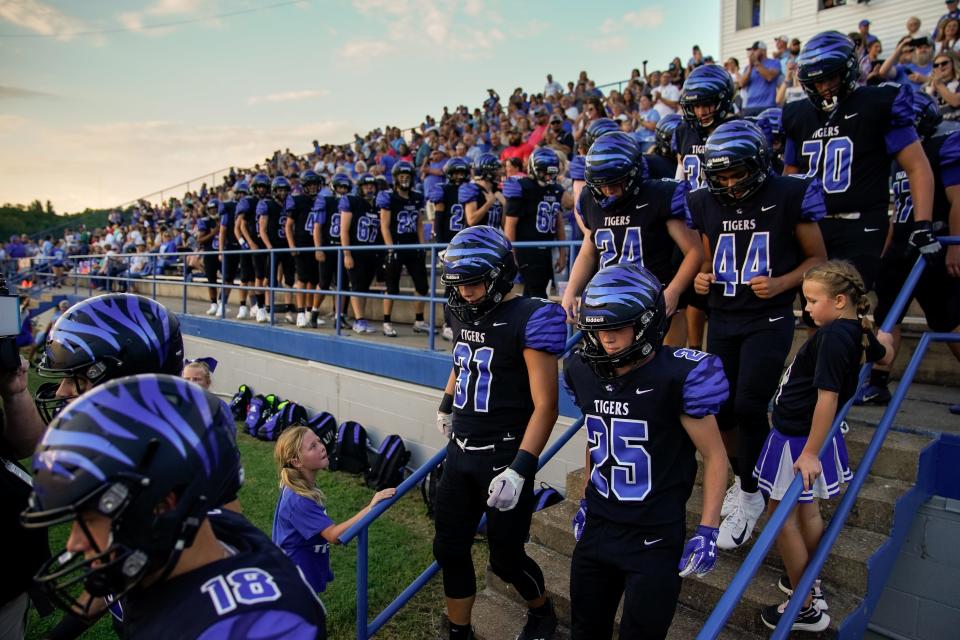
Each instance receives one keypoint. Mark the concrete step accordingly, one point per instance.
(898, 458)
(698, 596)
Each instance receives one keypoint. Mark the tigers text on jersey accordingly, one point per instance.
(642, 463)
(405, 214)
(255, 593)
(943, 152)
(276, 219)
(299, 207)
(365, 223)
(536, 206)
(326, 213)
(448, 219)
(635, 231)
(755, 239)
(850, 148)
(492, 394)
(471, 192)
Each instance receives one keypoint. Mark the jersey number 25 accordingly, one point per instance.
(619, 443)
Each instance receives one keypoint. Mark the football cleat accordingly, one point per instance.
(388, 330)
(213, 309)
(301, 320)
(243, 312)
(736, 528)
(540, 627)
(421, 327)
(262, 315)
(731, 498)
(817, 591)
(872, 394)
(809, 619)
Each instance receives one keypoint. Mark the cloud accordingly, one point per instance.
(137, 21)
(41, 18)
(608, 43)
(365, 49)
(19, 92)
(288, 96)
(649, 18)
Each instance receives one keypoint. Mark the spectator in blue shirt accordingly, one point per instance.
(647, 118)
(911, 62)
(760, 78)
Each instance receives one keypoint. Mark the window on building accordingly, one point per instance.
(748, 14)
(830, 4)
(753, 13)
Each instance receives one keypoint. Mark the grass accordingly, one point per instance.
(400, 549)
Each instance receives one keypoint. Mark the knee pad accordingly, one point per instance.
(459, 579)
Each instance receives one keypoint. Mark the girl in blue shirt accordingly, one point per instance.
(301, 526)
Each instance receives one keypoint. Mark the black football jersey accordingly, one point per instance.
(660, 167)
(690, 145)
(448, 217)
(755, 239)
(943, 152)
(492, 394)
(257, 592)
(247, 209)
(536, 207)
(273, 211)
(228, 211)
(830, 360)
(850, 148)
(635, 231)
(471, 192)
(365, 223)
(204, 225)
(404, 214)
(642, 463)
(326, 213)
(299, 207)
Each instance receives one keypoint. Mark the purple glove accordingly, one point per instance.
(580, 520)
(700, 552)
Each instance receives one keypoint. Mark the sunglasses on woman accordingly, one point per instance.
(942, 63)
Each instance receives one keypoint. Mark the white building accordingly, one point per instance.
(742, 22)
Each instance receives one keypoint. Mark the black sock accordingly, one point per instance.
(267, 308)
(299, 309)
(734, 464)
(313, 315)
(386, 317)
(460, 631)
(261, 298)
(419, 317)
(543, 610)
(879, 378)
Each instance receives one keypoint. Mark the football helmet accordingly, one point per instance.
(456, 170)
(545, 164)
(621, 295)
(342, 184)
(708, 84)
(280, 187)
(738, 143)
(404, 175)
(827, 55)
(260, 185)
(614, 158)
(108, 337)
(312, 182)
(487, 167)
(478, 254)
(597, 128)
(664, 133)
(119, 452)
(241, 187)
(367, 185)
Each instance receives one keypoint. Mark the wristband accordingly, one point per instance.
(446, 405)
(525, 464)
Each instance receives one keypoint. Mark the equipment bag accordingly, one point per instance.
(288, 414)
(255, 414)
(324, 425)
(545, 496)
(392, 459)
(428, 488)
(352, 448)
(240, 402)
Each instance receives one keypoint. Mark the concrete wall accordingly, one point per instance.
(382, 405)
(922, 598)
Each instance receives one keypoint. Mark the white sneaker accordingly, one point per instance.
(367, 328)
(737, 527)
(243, 313)
(320, 321)
(421, 327)
(731, 498)
(301, 320)
(359, 326)
(262, 315)
(213, 309)
(388, 330)
(221, 311)
(289, 317)
(447, 333)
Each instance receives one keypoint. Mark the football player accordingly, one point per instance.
(247, 228)
(326, 233)
(647, 410)
(448, 212)
(629, 219)
(761, 235)
(662, 159)
(271, 222)
(938, 291)
(401, 222)
(299, 232)
(846, 135)
(533, 213)
(134, 467)
(360, 224)
(481, 198)
(594, 130)
(499, 406)
(208, 239)
(229, 262)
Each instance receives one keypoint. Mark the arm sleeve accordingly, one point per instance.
(901, 131)
(705, 388)
(468, 192)
(950, 160)
(344, 203)
(546, 329)
(383, 200)
(576, 167)
(813, 207)
(289, 205)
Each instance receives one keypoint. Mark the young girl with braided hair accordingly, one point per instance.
(301, 526)
(819, 381)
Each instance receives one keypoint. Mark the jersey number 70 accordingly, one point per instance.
(619, 442)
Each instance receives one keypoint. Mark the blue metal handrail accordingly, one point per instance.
(360, 530)
(731, 597)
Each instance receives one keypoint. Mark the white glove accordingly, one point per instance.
(505, 490)
(445, 424)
